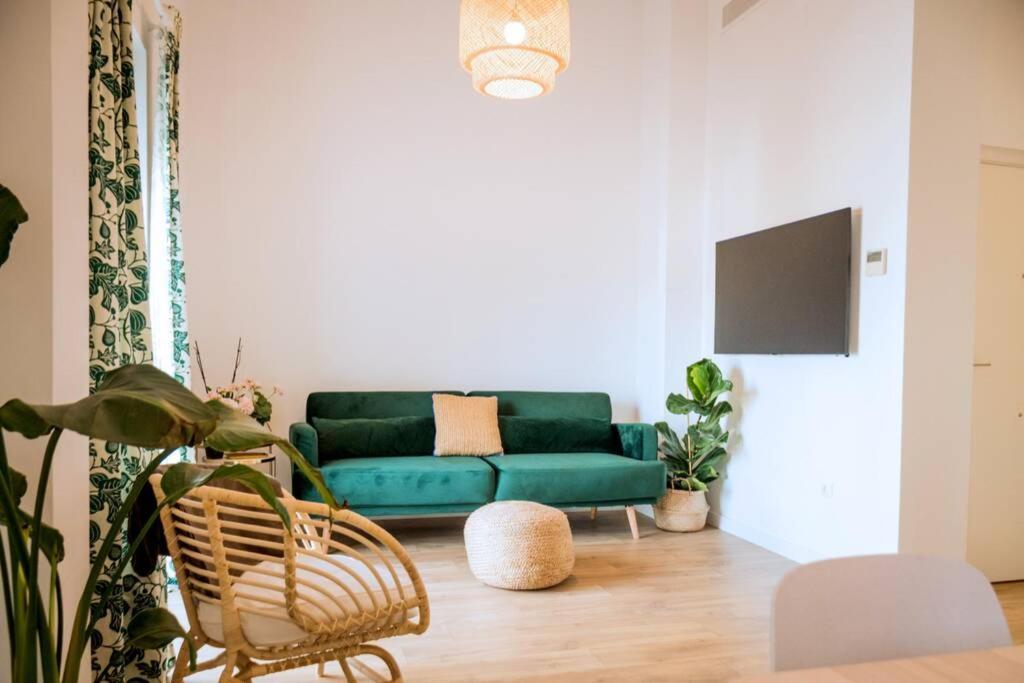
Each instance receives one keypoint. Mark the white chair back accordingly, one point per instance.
(859, 609)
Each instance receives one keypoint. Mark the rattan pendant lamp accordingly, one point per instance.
(514, 48)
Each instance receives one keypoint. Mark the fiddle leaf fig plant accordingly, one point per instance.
(137, 405)
(693, 459)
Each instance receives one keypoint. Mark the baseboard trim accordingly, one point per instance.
(790, 551)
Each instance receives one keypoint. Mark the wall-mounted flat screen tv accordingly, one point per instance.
(785, 290)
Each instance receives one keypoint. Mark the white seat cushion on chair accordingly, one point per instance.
(272, 626)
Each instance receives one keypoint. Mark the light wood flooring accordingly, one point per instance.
(667, 607)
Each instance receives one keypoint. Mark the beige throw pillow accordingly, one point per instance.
(466, 425)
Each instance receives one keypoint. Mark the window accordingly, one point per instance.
(154, 196)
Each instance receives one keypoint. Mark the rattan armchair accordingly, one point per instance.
(274, 600)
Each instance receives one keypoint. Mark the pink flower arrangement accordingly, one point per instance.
(246, 396)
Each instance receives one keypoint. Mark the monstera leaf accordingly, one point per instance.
(11, 216)
(137, 405)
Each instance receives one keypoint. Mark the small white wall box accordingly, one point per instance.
(875, 263)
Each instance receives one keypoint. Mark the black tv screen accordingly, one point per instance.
(785, 290)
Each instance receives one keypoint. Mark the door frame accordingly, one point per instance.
(990, 156)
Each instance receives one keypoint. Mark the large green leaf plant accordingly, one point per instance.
(137, 405)
(694, 459)
(11, 216)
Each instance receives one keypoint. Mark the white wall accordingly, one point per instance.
(655, 92)
(687, 194)
(69, 64)
(26, 288)
(25, 283)
(941, 242)
(404, 232)
(1002, 98)
(808, 111)
(401, 231)
(43, 295)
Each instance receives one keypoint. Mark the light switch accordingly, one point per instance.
(876, 262)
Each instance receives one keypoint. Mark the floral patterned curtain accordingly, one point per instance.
(118, 321)
(167, 156)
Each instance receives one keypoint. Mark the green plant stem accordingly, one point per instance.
(79, 633)
(30, 626)
(15, 545)
(22, 641)
(59, 638)
(5, 577)
(46, 651)
(26, 645)
(35, 606)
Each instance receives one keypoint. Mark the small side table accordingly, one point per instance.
(259, 460)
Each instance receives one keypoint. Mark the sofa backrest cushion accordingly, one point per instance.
(373, 437)
(341, 405)
(551, 403)
(557, 435)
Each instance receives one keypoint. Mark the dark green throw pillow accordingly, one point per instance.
(367, 438)
(557, 435)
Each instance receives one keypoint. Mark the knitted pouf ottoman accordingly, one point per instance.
(519, 545)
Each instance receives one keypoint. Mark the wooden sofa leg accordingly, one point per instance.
(593, 513)
(631, 516)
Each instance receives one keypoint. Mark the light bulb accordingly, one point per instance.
(515, 32)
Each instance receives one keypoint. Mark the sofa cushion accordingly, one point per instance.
(466, 425)
(357, 438)
(341, 405)
(557, 435)
(410, 480)
(565, 478)
(551, 403)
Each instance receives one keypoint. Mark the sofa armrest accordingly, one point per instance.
(639, 440)
(303, 437)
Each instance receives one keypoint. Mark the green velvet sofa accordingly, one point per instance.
(562, 449)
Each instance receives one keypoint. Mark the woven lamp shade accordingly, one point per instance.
(514, 48)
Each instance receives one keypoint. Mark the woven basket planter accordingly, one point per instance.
(681, 511)
(519, 545)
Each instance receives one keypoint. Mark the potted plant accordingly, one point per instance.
(693, 460)
(137, 405)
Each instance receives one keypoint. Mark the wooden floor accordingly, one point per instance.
(1011, 595)
(667, 607)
